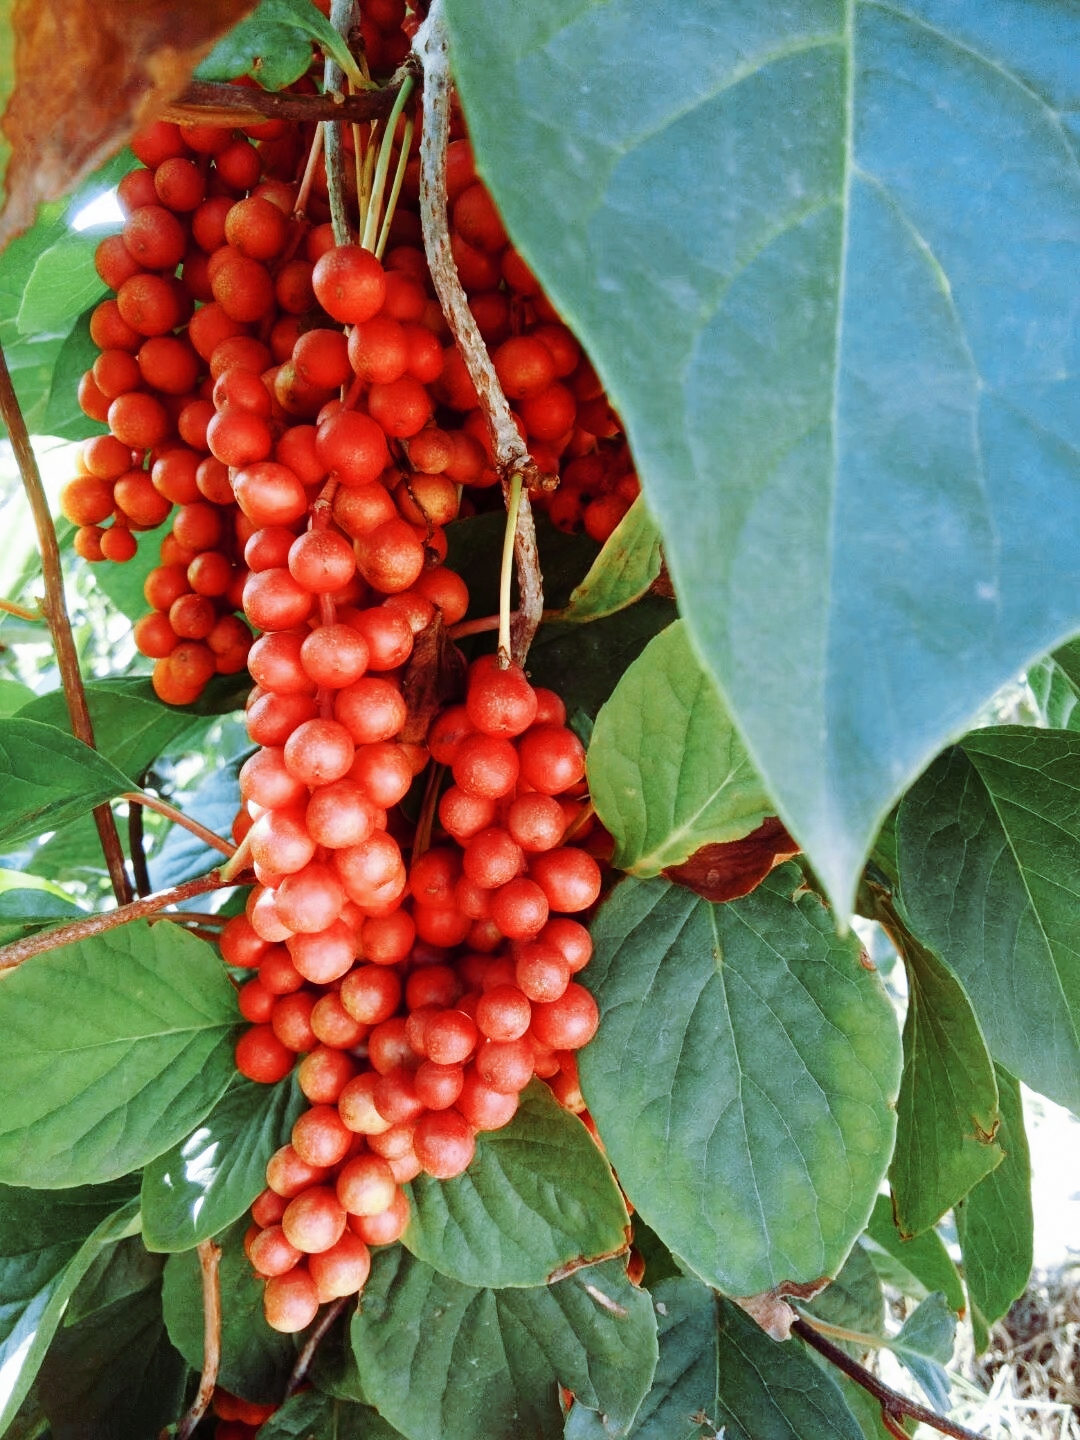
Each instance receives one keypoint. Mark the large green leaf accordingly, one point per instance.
(918, 1266)
(623, 571)
(255, 1360)
(855, 1299)
(48, 778)
(47, 1244)
(115, 1048)
(131, 726)
(667, 771)
(539, 1197)
(440, 1358)
(114, 1375)
(718, 1374)
(994, 1223)
(63, 414)
(61, 285)
(829, 278)
(314, 1414)
(989, 858)
(743, 1077)
(947, 1114)
(205, 1183)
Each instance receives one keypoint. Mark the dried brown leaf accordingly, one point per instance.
(735, 867)
(434, 678)
(771, 1311)
(86, 76)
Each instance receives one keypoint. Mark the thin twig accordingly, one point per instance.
(92, 925)
(54, 608)
(170, 812)
(511, 455)
(137, 849)
(312, 1343)
(209, 1260)
(243, 106)
(894, 1406)
(506, 572)
(22, 612)
(481, 626)
(343, 17)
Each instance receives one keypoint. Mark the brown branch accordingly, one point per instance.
(85, 929)
(138, 798)
(54, 609)
(894, 1406)
(314, 1340)
(209, 1260)
(344, 16)
(511, 454)
(205, 103)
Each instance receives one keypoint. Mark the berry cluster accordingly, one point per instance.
(303, 406)
(423, 998)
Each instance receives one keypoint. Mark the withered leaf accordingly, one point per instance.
(86, 76)
(434, 677)
(734, 868)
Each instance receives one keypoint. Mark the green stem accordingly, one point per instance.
(374, 214)
(506, 574)
(395, 189)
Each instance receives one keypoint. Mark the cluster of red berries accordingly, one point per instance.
(423, 997)
(303, 407)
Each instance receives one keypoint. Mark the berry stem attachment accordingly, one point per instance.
(86, 929)
(170, 812)
(209, 1260)
(431, 46)
(54, 609)
(241, 859)
(395, 188)
(314, 1340)
(506, 573)
(382, 165)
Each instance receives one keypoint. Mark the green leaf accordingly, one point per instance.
(994, 1223)
(917, 1266)
(313, 1414)
(989, 856)
(847, 378)
(62, 283)
(120, 1270)
(743, 1077)
(947, 1114)
(255, 1360)
(623, 571)
(123, 584)
(45, 1250)
(440, 1358)
(28, 901)
(925, 1346)
(855, 1299)
(274, 45)
(63, 414)
(137, 1051)
(205, 1183)
(13, 696)
(131, 726)
(719, 1374)
(48, 778)
(584, 662)
(538, 1197)
(114, 1374)
(667, 771)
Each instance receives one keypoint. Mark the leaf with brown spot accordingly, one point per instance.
(727, 871)
(86, 76)
(434, 678)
